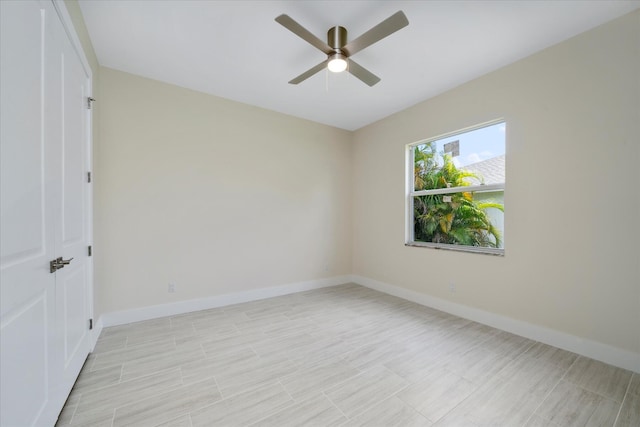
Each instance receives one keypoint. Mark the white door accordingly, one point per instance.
(42, 345)
(72, 301)
(27, 289)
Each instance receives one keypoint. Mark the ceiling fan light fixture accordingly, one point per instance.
(337, 49)
(337, 63)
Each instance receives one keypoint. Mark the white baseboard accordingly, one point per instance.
(592, 349)
(180, 307)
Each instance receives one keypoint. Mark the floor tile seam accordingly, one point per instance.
(171, 420)
(289, 404)
(92, 390)
(155, 395)
(479, 345)
(424, 415)
(100, 352)
(365, 408)
(285, 390)
(396, 394)
(477, 387)
(122, 362)
(215, 329)
(549, 422)
(201, 348)
(115, 408)
(200, 379)
(89, 363)
(113, 411)
(110, 336)
(157, 340)
(156, 330)
(303, 365)
(203, 408)
(182, 375)
(270, 338)
(121, 374)
(370, 406)
(101, 339)
(75, 408)
(171, 388)
(336, 406)
(626, 393)
(343, 381)
(201, 325)
(462, 377)
(554, 364)
(360, 373)
(136, 332)
(598, 393)
(562, 378)
(358, 348)
(515, 359)
(143, 374)
(517, 356)
(250, 388)
(123, 349)
(169, 337)
(293, 402)
(405, 402)
(433, 365)
(633, 394)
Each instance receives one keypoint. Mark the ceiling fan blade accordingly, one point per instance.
(387, 27)
(297, 29)
(362, 73)
(310, 72)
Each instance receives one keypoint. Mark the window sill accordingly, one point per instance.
(458, 248)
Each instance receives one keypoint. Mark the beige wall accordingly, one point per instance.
(213, 195)
(572, 199)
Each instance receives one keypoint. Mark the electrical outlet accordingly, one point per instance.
(452, 288)
(172, 288)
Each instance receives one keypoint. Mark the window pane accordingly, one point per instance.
(462, 218)
(469, 158)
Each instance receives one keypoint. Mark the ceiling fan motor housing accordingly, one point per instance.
(337, 38)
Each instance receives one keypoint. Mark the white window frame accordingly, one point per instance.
(411, 194)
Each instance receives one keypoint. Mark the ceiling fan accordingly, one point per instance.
(337, 49)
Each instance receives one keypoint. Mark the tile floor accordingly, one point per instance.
(340, 356)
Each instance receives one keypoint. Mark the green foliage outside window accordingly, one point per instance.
(460, 221)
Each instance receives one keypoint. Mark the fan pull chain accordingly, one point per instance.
(326, 80)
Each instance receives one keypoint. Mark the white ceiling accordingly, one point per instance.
(235, 49)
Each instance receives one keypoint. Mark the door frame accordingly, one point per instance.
(61, 9)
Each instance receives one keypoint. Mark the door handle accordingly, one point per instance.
(58, 263)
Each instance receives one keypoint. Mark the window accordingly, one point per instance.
(455, 190)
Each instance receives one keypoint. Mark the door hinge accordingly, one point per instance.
(90, 324)
(89, 101)
(88, 176)
(89, 250)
